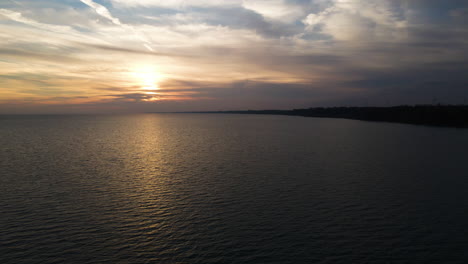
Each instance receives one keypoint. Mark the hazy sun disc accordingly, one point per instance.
(152, 87)
(147, 79)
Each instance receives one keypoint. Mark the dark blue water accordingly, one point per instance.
(188, 188)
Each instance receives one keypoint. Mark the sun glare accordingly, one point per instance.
(147, 78)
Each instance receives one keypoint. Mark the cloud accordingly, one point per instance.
(134, 51)
(31, 55)
(233, 54)
(102, 11)
(275, 9)
(271, 9)
(177, 4)
(350, 20)
(18, 17)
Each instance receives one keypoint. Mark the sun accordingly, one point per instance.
(149, 81)
(147, 78)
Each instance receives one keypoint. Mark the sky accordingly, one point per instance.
(119, 56)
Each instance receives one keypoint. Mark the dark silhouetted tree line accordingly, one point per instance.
(436, 115)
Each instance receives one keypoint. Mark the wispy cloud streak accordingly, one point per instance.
(104, 12)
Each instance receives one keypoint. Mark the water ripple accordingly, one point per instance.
(230, 189)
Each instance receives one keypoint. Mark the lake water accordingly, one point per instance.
(194, 188)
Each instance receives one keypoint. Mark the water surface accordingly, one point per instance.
(193, 188)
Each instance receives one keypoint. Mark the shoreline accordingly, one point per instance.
(432, 115)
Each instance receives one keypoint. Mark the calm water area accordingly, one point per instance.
(226, 188)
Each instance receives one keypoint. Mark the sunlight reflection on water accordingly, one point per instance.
(229, 189)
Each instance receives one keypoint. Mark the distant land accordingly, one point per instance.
(433, 115)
